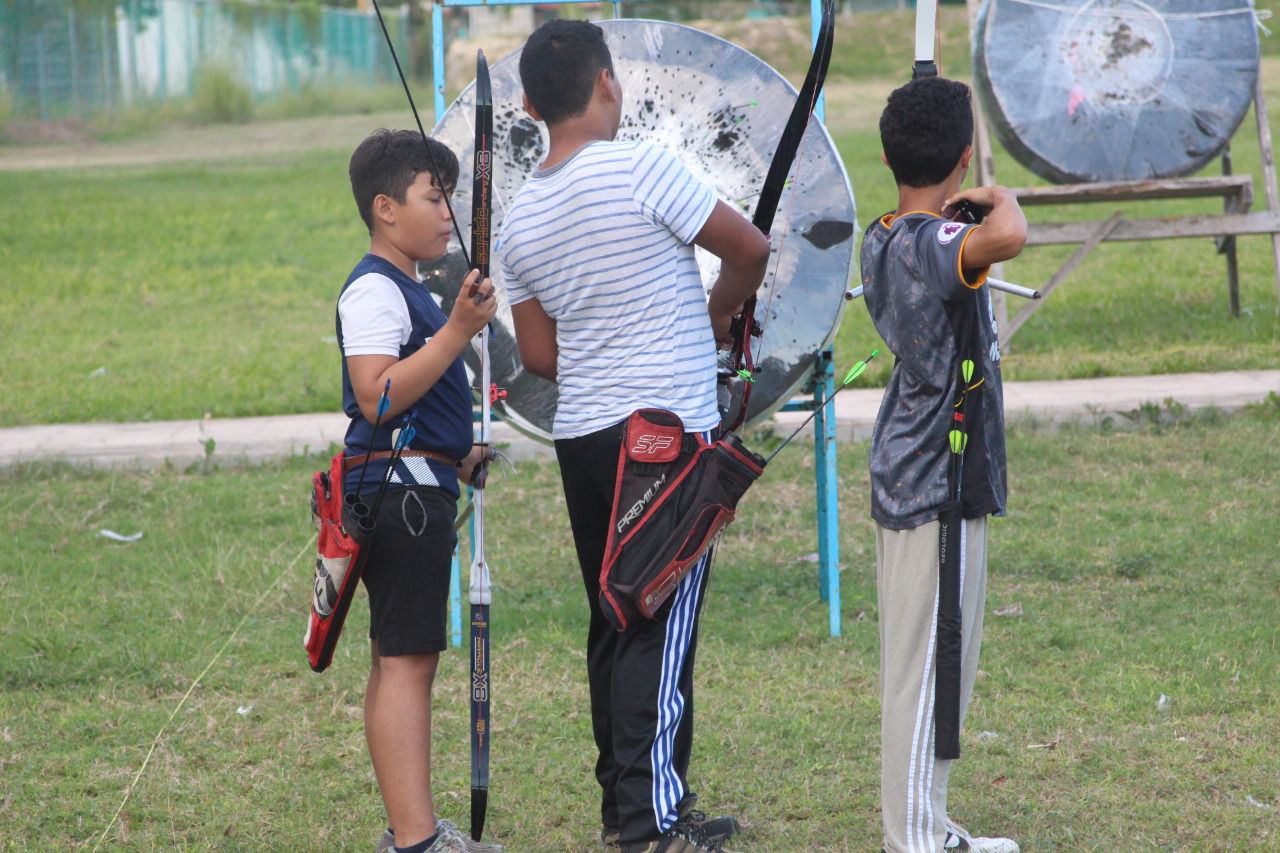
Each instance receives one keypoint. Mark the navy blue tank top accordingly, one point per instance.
(441, 417)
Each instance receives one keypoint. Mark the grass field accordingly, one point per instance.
(1133, 565)
(180, 290)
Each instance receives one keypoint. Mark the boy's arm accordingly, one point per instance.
(744, 256)
(536, 338)
(414, 376)
(1002, 233)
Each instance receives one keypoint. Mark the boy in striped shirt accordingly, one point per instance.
(596, 255)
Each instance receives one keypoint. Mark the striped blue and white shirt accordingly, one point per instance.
(604, 242)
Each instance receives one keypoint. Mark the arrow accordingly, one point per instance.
(853, 373)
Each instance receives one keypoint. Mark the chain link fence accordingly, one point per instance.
(63, 58)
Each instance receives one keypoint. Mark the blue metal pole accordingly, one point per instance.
(827, 481)
(437, 60)
(455, 600)
(815, 21)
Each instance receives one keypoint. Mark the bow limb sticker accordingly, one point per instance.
(949, 231)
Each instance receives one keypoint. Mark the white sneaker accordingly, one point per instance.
(451, 840)
(958, 838)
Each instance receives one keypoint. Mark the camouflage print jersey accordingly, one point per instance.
(921, 302)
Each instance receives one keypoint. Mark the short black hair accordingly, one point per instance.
(559, 65)
(389, 161)
(925, 128)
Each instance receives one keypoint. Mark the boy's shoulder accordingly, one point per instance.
(912, 236)
(377, 273)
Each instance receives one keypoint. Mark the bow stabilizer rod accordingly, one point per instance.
(925, 64)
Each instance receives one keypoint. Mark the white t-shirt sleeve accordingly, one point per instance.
(375, 317)
(669, 194)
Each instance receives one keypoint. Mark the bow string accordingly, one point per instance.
(745, 326)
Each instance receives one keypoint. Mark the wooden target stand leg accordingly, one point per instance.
(1236, 192)
(1267, 155)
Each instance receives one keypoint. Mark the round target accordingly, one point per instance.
(721, 110)
(1106, 90)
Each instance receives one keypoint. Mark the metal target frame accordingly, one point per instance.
(822, 385)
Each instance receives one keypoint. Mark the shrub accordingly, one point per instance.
(8, 106)
(219, 97)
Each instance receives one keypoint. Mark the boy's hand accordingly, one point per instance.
(987, 197)
(474, 467)
(722, 325)
(475, 305)
(1003, 231)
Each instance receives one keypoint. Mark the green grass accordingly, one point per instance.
(1142, 562)
(179, 291)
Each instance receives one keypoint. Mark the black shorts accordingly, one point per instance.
(408, 571)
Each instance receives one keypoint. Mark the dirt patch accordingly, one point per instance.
(203, 144)
(66, 131)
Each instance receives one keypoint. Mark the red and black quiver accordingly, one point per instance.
(674, 492)
(339, 560)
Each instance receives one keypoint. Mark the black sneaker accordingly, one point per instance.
(684, 837)
(712, 828)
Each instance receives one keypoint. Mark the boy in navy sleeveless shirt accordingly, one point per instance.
(597, 262)
(389, 327)
(923, 275)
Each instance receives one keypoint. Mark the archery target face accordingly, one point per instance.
(1112, 90)
(1122, 56)
(721, 110)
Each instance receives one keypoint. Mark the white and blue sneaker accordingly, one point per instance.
(958, 838)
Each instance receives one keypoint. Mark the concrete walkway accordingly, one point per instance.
(241, 439)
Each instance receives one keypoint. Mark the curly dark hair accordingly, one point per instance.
(389, 161)
(924, 129)
(559, 65)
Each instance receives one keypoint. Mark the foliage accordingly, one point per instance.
(219, 96)
(8, 106)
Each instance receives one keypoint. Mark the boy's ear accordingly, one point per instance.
(384, 211)
(884, 158)
(604, 84)
(528, 107)
(966, 156)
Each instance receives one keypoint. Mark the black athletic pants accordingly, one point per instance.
(641, 680)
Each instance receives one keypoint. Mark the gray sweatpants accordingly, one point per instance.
(913, 784)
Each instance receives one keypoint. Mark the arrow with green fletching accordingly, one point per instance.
(854, 372)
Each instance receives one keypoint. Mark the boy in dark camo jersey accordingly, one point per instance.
(923, 275)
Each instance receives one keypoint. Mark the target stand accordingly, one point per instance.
(1132, 96)
(721, 110)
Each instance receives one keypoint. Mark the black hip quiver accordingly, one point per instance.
(674, 493)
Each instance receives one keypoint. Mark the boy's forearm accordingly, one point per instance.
(414, 376)
(1008, 221)
(735, 285)
(1003, 231)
